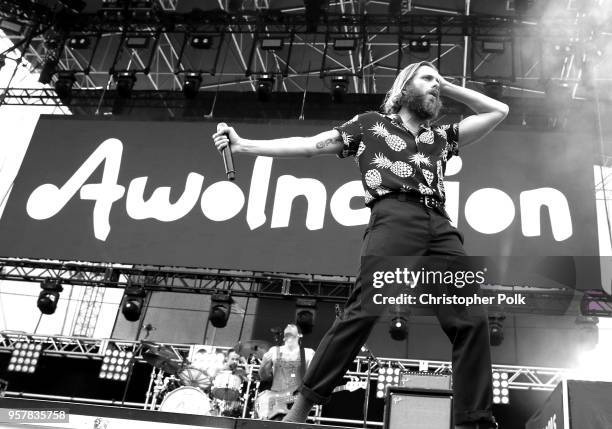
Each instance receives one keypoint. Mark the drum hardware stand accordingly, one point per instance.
(160, 384)
(366, 403)
(247, 391)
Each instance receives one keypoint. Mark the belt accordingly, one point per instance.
(427, 201)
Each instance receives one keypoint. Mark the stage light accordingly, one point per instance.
(220, 309)
(399, 328)
(49, 68)
(419, 45)
(305, 314)
(493, 46)
(496, 328)
(125, 81)
(63, 86)
(25, 357)
(133, 302)
(387, 376)
(265, 85)
(201, 42)
(272, 43)
(116, 363)
(345, 44)
(80, 42)
(11, 26)
(339, 88)
(47, 300)
(501, 388)
(137, 42)
(191, 84)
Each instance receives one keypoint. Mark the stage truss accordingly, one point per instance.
(519, 377)
(475, 43)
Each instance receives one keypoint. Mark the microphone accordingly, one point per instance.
(228, 159)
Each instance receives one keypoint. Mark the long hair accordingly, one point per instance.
(394, 98)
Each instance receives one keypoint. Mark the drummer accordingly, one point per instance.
(235, 363)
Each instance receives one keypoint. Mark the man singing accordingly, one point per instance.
(402, 158)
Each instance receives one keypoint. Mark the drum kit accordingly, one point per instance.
(206, 385)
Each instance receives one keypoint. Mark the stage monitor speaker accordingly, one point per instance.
(408, 408)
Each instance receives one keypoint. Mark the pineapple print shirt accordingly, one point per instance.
(392, 159)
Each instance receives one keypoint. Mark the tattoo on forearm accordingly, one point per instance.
(321, 145)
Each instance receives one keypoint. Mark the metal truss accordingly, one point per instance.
(519, 377)
(334, 289)
(530, 53)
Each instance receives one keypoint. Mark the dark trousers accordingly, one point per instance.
(409, 228)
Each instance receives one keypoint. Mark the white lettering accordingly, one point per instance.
(260, 180)
(287, 188)
(340, 205)
(489, 210)
(222, 201)
(159, 206)
(47, 200)
(558, 210)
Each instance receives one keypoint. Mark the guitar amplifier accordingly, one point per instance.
(407, 408)
(425, 380)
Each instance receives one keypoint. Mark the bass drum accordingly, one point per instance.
(186, 400)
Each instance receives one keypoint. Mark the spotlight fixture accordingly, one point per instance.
(11, 26)
(496, 328)
(133, 303)
(49, 68)
(342, 44)
(493, 46)
(305, 314)
(137, 42)
(63, 86)
(201, 42)
(399, 328)
(125, 83)
(501, 390)
(80, 42)
(191, 84)
(25, 357)
(47, 300)
(265, 85)
(220, 309)
(419, 45)
(388, 376)
(272, 43)
(115, 364)
(339, 88)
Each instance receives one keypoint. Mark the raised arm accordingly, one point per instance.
(489, 112)
(325, 143)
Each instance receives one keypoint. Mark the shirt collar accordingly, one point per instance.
(397, 121)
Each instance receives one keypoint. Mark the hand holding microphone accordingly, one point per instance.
(223, 138)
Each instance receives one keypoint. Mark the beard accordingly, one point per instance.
(421, 105)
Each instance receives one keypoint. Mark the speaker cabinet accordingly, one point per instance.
(410, 408)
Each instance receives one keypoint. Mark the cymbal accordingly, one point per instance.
(255, 348)
(161, 357)
(192, 376)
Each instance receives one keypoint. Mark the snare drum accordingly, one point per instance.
(226, 386)
(186, 400)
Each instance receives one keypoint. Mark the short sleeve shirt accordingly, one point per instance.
(392, 159)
